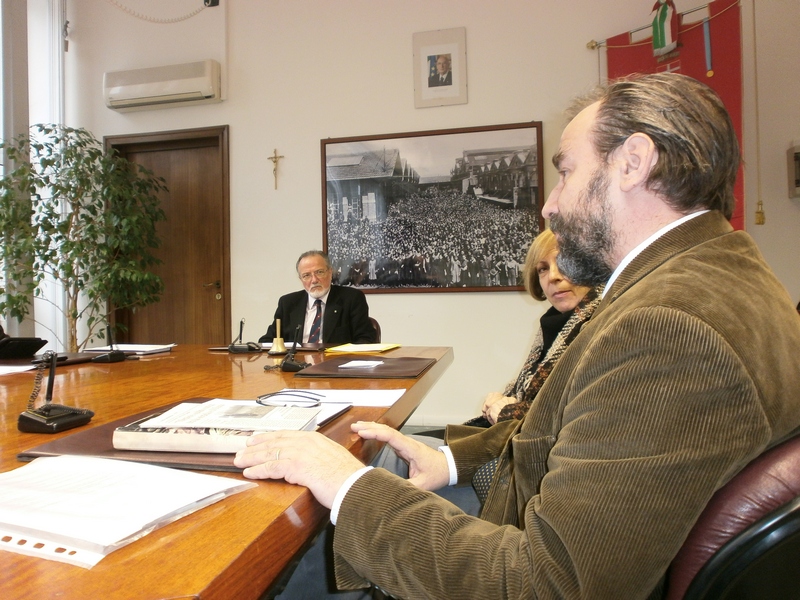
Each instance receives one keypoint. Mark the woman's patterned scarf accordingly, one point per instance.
(536, 369)
(531, 378)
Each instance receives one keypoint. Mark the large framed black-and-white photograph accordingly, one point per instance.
(433, 211)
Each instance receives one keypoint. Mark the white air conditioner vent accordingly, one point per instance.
(160, 87)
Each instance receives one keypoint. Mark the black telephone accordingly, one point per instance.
(50, 418)
(20, 347)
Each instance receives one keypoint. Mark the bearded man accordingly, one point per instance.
(686, 372)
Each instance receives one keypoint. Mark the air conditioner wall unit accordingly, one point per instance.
(161, 87)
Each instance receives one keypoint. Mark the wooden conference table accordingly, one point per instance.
(236, 548)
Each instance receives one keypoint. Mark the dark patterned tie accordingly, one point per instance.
(313, 335)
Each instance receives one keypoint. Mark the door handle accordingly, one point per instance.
(217, 284)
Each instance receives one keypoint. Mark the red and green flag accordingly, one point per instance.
(665, 27)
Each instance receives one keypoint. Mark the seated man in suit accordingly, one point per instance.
(343, 312)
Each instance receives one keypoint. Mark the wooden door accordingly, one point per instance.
(195, 238)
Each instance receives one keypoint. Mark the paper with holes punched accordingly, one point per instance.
(78, 509)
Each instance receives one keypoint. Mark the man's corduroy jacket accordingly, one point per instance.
(689, 369)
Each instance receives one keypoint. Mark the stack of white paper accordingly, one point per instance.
(78, 509)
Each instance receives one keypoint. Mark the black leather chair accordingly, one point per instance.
(746, 543)
(377, 327)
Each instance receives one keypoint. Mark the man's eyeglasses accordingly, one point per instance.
(302, 398)
(319, 273)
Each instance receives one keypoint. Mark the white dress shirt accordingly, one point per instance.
(638, 250)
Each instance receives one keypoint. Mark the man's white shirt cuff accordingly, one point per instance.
(451, 464)
(348, 483)
(339, 498)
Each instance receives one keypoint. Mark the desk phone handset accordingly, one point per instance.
(289, 364)
(50, 418)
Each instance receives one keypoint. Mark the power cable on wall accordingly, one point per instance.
(760, 218)
(150, 19)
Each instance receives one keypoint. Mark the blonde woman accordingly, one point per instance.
(572, 305)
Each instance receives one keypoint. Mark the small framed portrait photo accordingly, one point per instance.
(440, 67)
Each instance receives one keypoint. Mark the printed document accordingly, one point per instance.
(78, 509)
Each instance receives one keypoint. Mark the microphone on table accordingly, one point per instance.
(295, 343)
(50, 418)
(289, 363)
(112, 355)
(237, 346)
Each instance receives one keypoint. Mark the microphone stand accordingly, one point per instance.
(112, 355)
(289, 364)
(50, 418)
(237, 346)
(51, 379)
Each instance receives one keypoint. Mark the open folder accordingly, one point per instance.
(98, 441)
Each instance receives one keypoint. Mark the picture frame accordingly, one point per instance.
(450, 210)
(440, 67)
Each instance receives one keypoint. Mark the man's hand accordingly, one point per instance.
(303, 457)
(427, 468)
(493, 404)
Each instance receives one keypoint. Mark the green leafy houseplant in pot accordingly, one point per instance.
(85, 218)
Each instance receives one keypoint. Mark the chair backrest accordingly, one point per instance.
(377, 327)
(747, 540)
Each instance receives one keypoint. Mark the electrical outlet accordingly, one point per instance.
(793, 168)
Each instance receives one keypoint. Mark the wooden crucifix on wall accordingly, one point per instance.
(275, 158)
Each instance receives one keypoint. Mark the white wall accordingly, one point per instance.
(774, 123)
(298, 71)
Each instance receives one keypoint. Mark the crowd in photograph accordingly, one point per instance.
(436, 238)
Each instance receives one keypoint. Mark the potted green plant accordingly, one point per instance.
(83, 217)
